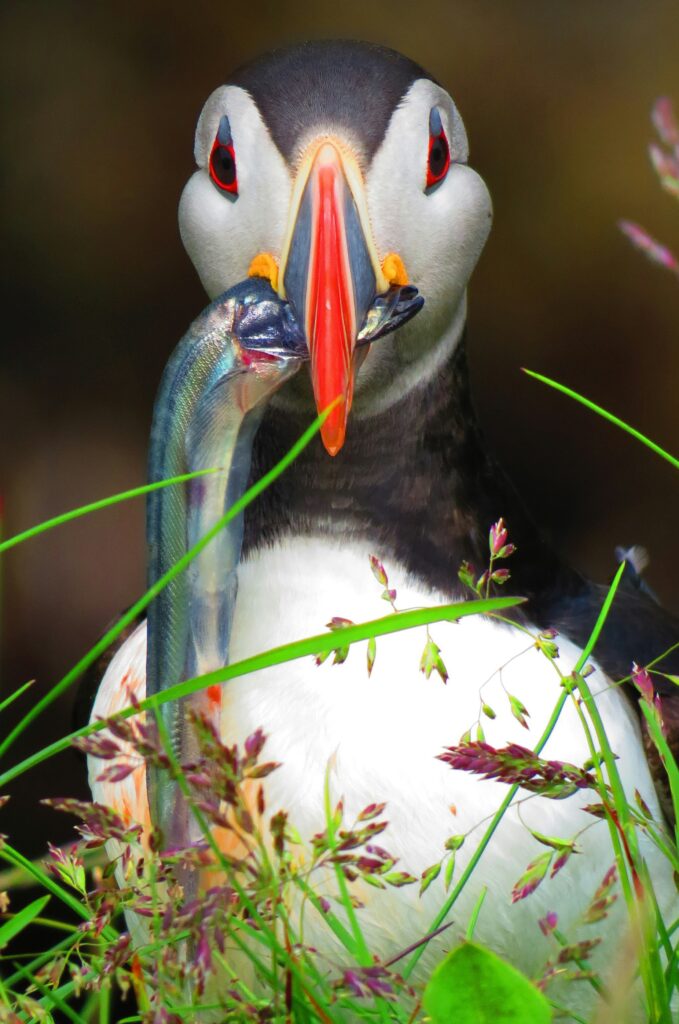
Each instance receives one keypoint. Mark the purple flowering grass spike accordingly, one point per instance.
(378, 571)
(371, 655)
(654, 250)
(97, 745)
(667, 169)
(665, 122)
(353, 982)
(254, 744)
(99, 822)
(481, 582)
(519, 710)
(643, 682)
(371, 811)
(337, 622)
(364, 982)
(117, 772)
(534, 874)
(466, 574)
(603, 898)
(561, 860)
(431, 661)
(577, 951)
(549, 922)
(516, 765)
(379, 851)
(497, 537)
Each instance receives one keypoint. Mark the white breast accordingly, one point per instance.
(380, 736)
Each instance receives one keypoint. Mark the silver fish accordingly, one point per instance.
(211, 400)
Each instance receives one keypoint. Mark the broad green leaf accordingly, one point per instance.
(474, 986)
(18, 922)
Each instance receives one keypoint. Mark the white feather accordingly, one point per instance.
(380, 737)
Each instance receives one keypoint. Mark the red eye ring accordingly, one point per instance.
(438, 158)
(222, 167)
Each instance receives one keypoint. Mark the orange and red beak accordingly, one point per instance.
(330, 273)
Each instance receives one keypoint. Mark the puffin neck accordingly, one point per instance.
(416, 481)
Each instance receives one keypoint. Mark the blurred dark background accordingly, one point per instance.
(100, 103)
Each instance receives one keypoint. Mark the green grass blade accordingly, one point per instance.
(17, 693)
(95, 506)
(52, 998)
(471, 927)
(15, 924)
(23, 972)
(601, 620)
(310, 646)
(12, 856)
(139, 606)
(20, 878)
(605, 415)
(332, 921)
(668, 760)
(502, 809)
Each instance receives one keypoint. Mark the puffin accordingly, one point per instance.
(333, 173)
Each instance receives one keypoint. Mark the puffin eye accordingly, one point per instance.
(222, 165)
(438, 160)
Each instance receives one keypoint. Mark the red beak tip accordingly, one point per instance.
(333, 443)
(332, 436)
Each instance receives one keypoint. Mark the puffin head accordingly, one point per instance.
(336, 169)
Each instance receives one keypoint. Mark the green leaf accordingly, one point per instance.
(474, 986)
(18, 922)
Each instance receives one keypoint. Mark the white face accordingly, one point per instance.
(438, 232)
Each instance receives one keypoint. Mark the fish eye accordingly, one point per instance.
(222, 165)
